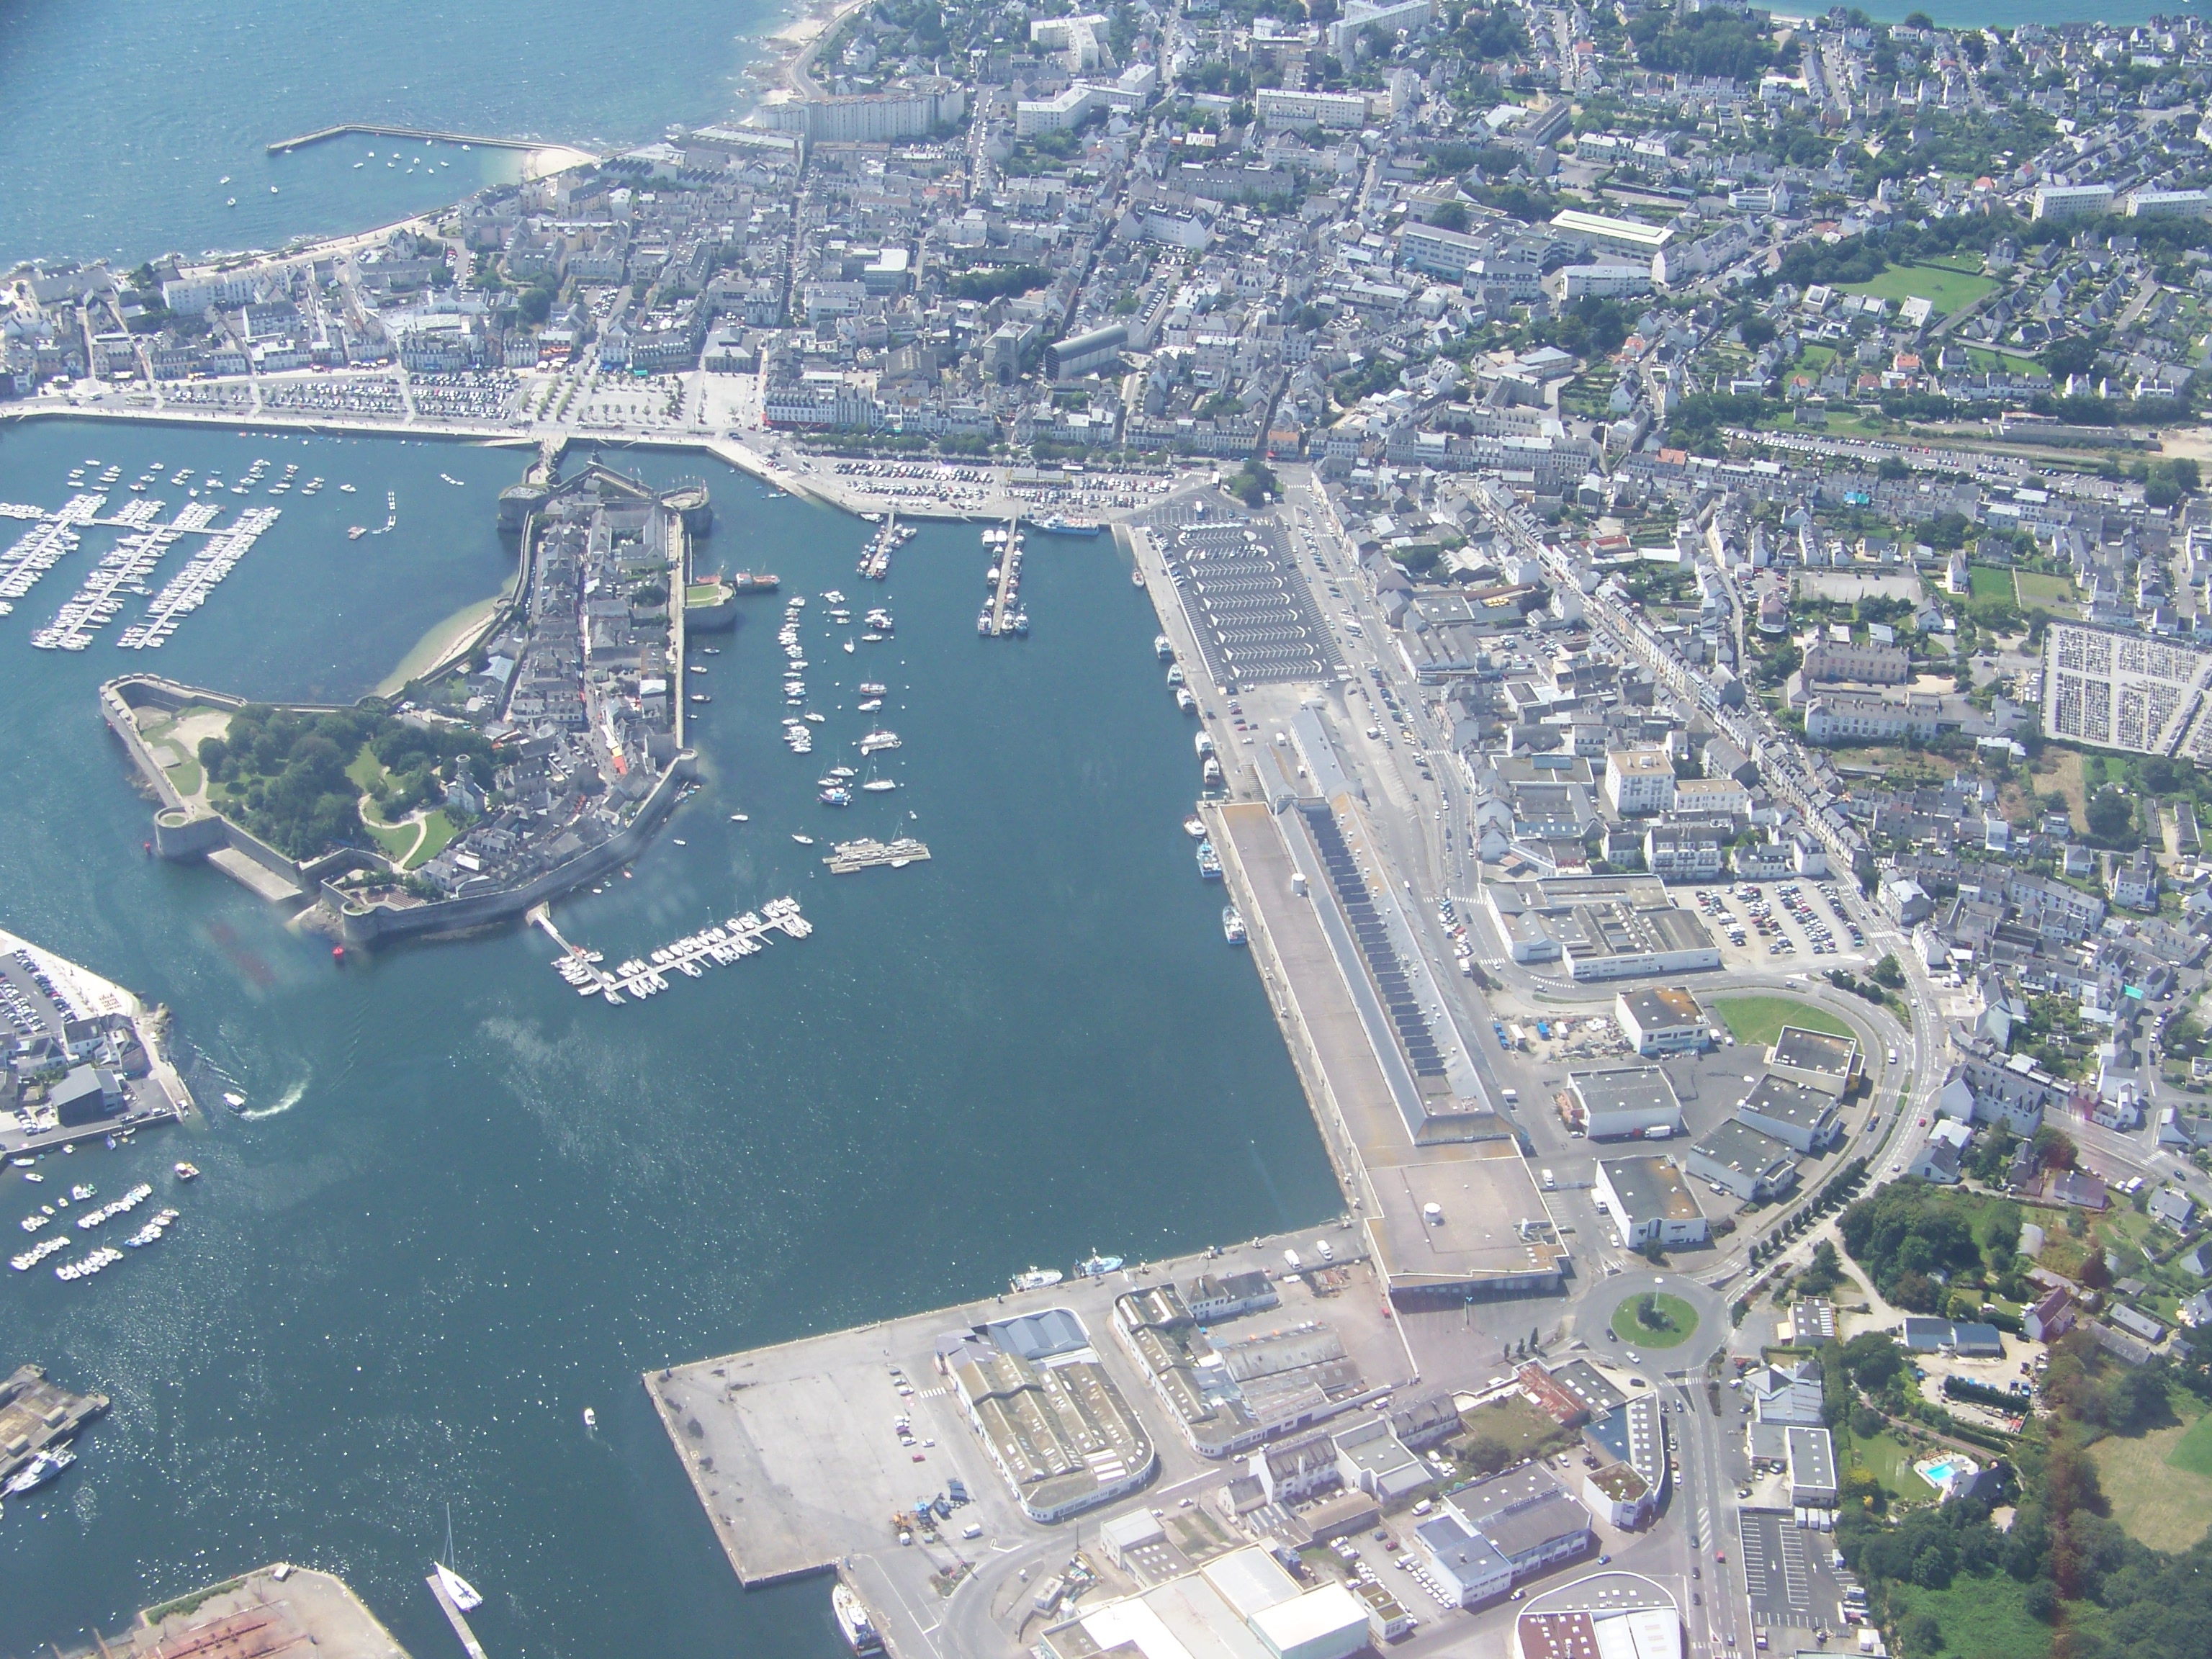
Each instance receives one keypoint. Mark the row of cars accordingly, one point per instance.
(21, 1013)
(1763, 921)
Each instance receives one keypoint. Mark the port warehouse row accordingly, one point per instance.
(1273, 1382)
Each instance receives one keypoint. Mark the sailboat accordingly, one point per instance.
(462, 1593)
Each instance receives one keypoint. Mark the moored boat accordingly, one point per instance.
(852, 1620)
(1232, 925)
(1037, 1279)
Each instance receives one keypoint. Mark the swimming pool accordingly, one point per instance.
(1938, 1472)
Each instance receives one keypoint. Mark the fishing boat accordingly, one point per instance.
(1096, 1266)
(1195, 827)
(1209, 862)
(839, 796)
(852, 1620)
(187, 1171)
(1037, 1279)
(1163, 647)
(1232, 925)
(591, 1418)
(879, 739)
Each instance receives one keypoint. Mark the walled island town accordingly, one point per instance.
(1675, 535)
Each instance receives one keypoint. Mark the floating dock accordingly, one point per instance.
(644, 976)
(188, 590)
(868, 853)
(1004, 614)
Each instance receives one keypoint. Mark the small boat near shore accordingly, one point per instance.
(1037, 1279)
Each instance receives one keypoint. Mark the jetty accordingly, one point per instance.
(1004, 614)
(869, 853)
(647, 975)
(452, 1612)
(374, 129)
(36, 1413)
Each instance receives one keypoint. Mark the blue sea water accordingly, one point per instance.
(118, 120)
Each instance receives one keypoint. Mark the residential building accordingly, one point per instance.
(1639, 780)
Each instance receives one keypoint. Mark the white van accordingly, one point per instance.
(1550, 1182)
(1322, 1250)
(1291, 1256)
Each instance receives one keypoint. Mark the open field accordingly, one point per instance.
(1982, 1618)
(1884, 1458)
(1520, 1427)
(1753, 1021)
(1949, 291)
(1990, 582)
(2159, 1483)
(2036, 587)
(2001, 362)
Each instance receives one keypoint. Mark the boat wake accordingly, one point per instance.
(291, 1098)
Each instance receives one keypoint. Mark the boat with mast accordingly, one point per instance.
(463, 1594)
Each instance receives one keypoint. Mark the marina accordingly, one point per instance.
(718, 946)
(876, 558)
(123, 569)
(847, 857)
(188, 590)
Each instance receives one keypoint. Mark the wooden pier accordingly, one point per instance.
(372, 130)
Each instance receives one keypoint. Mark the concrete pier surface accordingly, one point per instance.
(276, 1609)
(794, 1452)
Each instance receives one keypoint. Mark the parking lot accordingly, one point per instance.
(1790, 1573)
(1759, 924)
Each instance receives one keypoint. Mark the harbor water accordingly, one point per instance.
(463, 1203)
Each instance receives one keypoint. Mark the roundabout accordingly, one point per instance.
(1675, 1331)
(1653, 1319)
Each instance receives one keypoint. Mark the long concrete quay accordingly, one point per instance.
(374, 129)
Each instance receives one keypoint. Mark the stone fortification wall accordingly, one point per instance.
(367, 924)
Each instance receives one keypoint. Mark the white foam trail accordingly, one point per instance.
(291, 1098)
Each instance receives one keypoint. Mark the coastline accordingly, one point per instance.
(446, 639)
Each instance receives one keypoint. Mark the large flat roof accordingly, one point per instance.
(1625, 1088)
(1650, 1187)
(1802, 1050)
(1661, 1007)
(1786, 1101)
(1742, 1148)
(1605, 227)
(1483, 1192)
